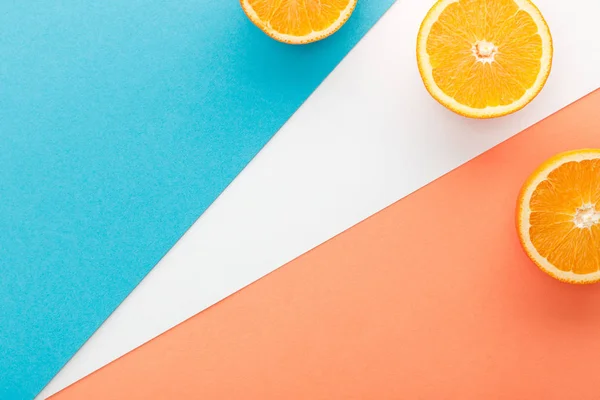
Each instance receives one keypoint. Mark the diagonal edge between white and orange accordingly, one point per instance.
(367, 137)
(432, 297)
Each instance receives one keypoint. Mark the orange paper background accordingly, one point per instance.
(431, 298)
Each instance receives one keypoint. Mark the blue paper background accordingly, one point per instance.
(120, 123)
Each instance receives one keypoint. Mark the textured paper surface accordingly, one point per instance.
(120, 122)
(373, 140)
(431, 298)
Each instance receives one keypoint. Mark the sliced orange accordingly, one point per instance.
(298, 21)
(484, 58)
(558, 216)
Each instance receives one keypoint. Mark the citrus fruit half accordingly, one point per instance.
(298, 21)
(558, 216)
(484, 58)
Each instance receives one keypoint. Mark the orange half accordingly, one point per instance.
(484, 58)
(558, 216)
(298, 21)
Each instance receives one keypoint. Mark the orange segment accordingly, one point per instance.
(558, 216)
(321, 13)
(264, 9)
(298, 21)
(291, 19)
(484, 58)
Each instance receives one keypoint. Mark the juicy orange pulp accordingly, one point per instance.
(507, 72)
(298, 21)
(565, 217)
(484, 58)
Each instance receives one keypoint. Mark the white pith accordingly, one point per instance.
(484, 51)
(586, 216)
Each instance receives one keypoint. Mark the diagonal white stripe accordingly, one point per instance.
(367, 137)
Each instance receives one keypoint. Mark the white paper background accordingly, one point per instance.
(367, 137)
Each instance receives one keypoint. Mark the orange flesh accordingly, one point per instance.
(299, 17)
(456, 69)
(554, 208)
